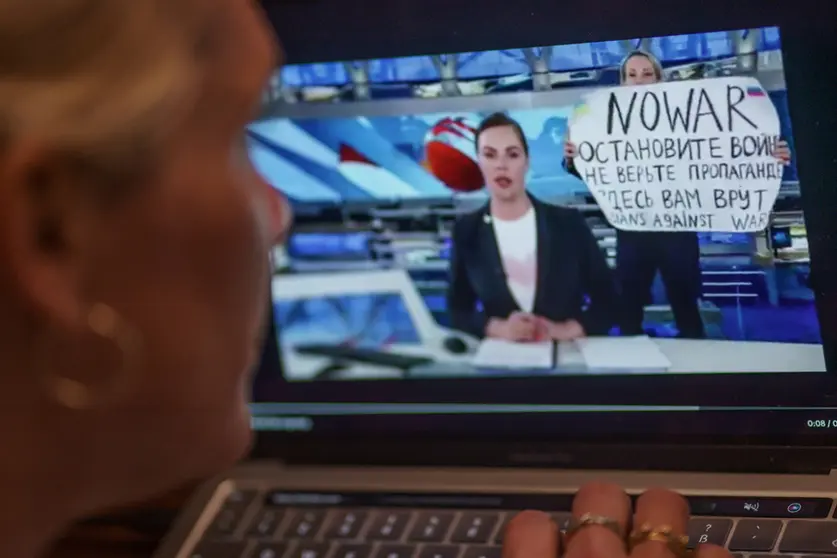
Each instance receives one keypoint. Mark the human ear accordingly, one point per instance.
(44, 221)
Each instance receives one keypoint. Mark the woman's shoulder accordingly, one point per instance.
(468, 219)
(562, 213)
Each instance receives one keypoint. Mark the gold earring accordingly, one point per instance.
(105, 323)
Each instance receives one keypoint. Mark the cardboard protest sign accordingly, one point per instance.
(681, 156)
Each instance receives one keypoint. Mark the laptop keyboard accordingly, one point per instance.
(250, 524)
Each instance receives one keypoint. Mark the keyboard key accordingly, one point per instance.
(561, 519)
(755, 535)
(755, 507)
(353, 551)
(219, 550)
(389, 526)
(813, 537)
(307, 549)
(224, 523)
(269, 550)
(474, 533)
(501, 532)
(708, 531)
(395, 551)
(346, 524)
(475, 528)
(306, 523)
(231, 513)
(265, 523)
(483, 552)
(240, 498)
(439, 551)
(431, 527)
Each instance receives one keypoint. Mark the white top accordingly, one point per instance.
(517, 241)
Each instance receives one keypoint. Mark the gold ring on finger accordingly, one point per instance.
(677, 544)
(592, 520)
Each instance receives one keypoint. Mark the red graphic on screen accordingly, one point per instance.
(349, 154)
(449, 148)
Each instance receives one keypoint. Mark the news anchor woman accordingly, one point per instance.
(640, 254)
(522, 269)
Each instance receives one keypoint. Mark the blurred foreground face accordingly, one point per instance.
(130, 211)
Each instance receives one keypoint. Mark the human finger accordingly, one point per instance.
(607, 502)
(519, 322)
(523, 317)
(785, 155)
(514, 331)
(531, 534)
(524, 328)
(712, 551)
(541, 328)
(665, 516)
(524, 332)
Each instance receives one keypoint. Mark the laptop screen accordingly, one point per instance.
(605, 230)
(314, 325)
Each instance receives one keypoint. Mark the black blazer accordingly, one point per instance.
(572, 273)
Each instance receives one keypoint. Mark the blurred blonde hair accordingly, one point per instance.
(104, 79)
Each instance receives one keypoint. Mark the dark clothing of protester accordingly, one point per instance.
(639, 255)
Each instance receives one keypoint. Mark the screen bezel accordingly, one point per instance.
(402, 28)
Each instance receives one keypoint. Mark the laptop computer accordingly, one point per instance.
(380, 434)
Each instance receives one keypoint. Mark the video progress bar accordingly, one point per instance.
(325, 409)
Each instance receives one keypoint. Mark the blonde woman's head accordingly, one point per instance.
(640, 68)
(133, 267)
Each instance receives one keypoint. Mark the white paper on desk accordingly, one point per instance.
(638, 353)
(497, 353)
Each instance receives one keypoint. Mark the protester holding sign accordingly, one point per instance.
(656, 203)
(535, 269)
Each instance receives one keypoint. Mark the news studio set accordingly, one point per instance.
(379, 161)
